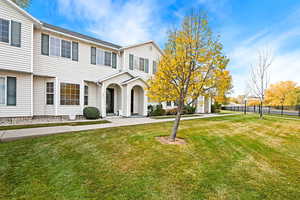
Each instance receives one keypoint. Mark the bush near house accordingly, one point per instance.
(91, 113)
(216, 108)
(189, 109)
(157, 110)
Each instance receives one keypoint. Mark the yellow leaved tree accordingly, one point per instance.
(282, 93)
(193, 64)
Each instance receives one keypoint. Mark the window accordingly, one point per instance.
(154, 67)
(131, 61)
(54, 46)
(11, 91)
(93, 55)
(114, 60)
(50, 93)
(45, 44)
(69, 94)
(100, 57)
(169, 103)
(15, 34)
(4, 30)
(65, 49)
(86, 95)
(142, 64)
(2, 91)
(75, 51)
(146, 66)
(107, 58)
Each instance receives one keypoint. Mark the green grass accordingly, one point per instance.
(12, 127)
(173, 116)
(232, 157)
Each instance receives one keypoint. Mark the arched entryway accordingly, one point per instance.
(137, 100)
(113, 99)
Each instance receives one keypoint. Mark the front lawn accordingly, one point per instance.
(173, 116)
(80, 123)
(231, 157)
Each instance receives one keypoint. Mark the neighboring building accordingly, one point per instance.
(50, 71)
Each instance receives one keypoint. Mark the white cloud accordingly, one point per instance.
(116, 21)
(286, 63)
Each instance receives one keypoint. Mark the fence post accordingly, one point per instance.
(281, 109)
(269, 109)
(299, 110)
(254, 108)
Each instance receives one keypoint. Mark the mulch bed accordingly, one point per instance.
(166, 140)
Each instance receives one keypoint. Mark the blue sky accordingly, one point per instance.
(245, 26)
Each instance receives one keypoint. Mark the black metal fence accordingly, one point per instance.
(275, 110)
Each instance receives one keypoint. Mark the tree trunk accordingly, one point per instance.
(261, 110)
(176, 124)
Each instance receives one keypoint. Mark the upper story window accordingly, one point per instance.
(12, 27)
(65, 49)
(131, 61)
(154, 67)
(54, 46)
(141, 64)
(100, 57)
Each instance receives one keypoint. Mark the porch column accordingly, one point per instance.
(127, 98)
(209, 104)
(103, 100)
(203, 104)
(145, 110)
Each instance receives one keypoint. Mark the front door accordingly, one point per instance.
(109, 100)
(132, 103)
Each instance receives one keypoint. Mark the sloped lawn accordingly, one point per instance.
(232, 157)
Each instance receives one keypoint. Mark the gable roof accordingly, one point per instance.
(134, 79)
(144, 43)
(22, 11)
(80, 36)
(115, 75)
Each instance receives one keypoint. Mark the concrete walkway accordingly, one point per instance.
(11, 135)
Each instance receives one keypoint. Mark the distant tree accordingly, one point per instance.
(282, 93)
(259, 77)
(193, 64)
(22, 3)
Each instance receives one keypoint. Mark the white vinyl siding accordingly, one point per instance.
(11, 57)
(20, 99)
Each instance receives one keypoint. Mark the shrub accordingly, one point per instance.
(91, 113)
(172, 111)
(215, 108)
(157, 111)
(189, 109)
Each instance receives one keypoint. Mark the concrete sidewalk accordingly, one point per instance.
(11, 135)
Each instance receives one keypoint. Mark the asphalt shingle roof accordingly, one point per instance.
(79, 35)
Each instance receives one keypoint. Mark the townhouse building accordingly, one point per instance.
(47, 70)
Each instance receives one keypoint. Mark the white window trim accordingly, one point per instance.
(50, 93)
(111, 52)
(70, 48)
(5, 90)
(59, 94)
(9, 31)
